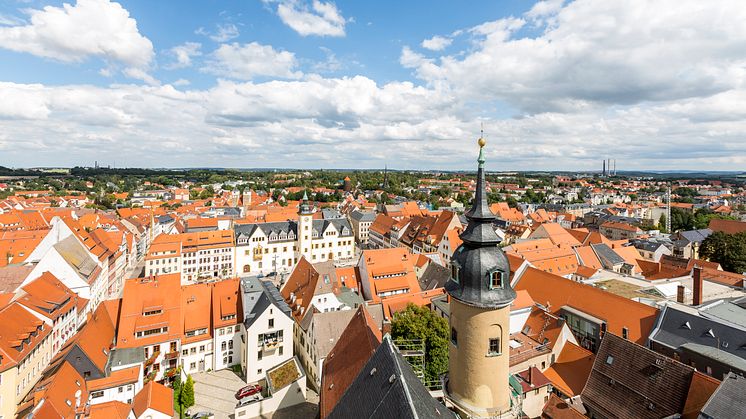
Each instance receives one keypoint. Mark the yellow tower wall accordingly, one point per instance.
(478, 382)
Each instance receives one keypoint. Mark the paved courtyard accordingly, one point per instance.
(215, 391)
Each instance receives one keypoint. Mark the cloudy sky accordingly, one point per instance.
(359, 84)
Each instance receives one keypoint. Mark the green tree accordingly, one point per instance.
(187, 394)
(729, 250)
(662, 223)
(177, 387)
(421, 323)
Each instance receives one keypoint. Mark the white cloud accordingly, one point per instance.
(353, 122)
(224, 32)
(436, 43)
(330, 64)
(183, 54)
(649, 85)
(247, 61)
(73, 33)
(320, 19)
(599, 53)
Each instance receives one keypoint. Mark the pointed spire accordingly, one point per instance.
(481, 268)
(304, 208)
(480, 209)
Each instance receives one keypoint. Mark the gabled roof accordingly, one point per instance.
(631, 381)
(94, 339)
(20, 333)
(154, 396)
(226, 303)
(65, 386)
(257, 296)
(354, 347)
(195, 311)
(728, 401)
(158, 295)
(700, 390)
(110, 410)
(386, 387)
(48, 296)
(570, 371)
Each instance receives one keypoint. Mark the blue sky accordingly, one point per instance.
(311, 83)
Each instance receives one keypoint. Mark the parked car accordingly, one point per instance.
(248, 391)
(250, 399)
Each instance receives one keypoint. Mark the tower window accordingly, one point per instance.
(496, 280)
(454, 337)
(494, 348)
(454, 272)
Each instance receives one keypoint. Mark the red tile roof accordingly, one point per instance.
(618, 312)
(154, 396)
(570, 371)
(356, 344)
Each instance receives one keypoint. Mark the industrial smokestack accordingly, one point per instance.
(603, 172)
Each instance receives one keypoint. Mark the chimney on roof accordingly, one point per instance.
(697, 277)
(680, 294)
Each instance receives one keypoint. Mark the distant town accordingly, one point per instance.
(289, 293)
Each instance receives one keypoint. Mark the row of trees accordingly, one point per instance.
(687, 220)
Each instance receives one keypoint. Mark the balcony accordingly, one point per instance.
(268, 345)
(172, 355)
(152, 358)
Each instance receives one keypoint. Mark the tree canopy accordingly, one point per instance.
(421, 323)
(729, 250)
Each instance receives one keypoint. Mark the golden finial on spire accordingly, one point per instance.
(481, 141)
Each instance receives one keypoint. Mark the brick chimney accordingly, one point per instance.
(697, 276)
(680, 294)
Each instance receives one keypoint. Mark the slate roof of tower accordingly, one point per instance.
(386, 388)
(479, 255)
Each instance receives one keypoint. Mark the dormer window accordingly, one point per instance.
(454, 271)
(496, 280)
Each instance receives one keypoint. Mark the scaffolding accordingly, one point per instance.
(413, 350)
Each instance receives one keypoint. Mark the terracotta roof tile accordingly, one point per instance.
(571, 369)
(618, 312)
(352, 351)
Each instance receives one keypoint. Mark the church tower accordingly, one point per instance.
(305, 228)
(480, 297)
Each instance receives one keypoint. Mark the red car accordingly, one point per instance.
(248, 391)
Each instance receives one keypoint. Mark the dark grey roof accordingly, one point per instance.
(165, 219)
(386, 388)
(678, 326)
(728, 401)
(730, 311)
(342, 225)
(119, 357)
(695, 236)
(608, 257)
(435, 276)
(651, 244)
(257, 296)
(479, 256)
(329, 213)
(363, 216)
